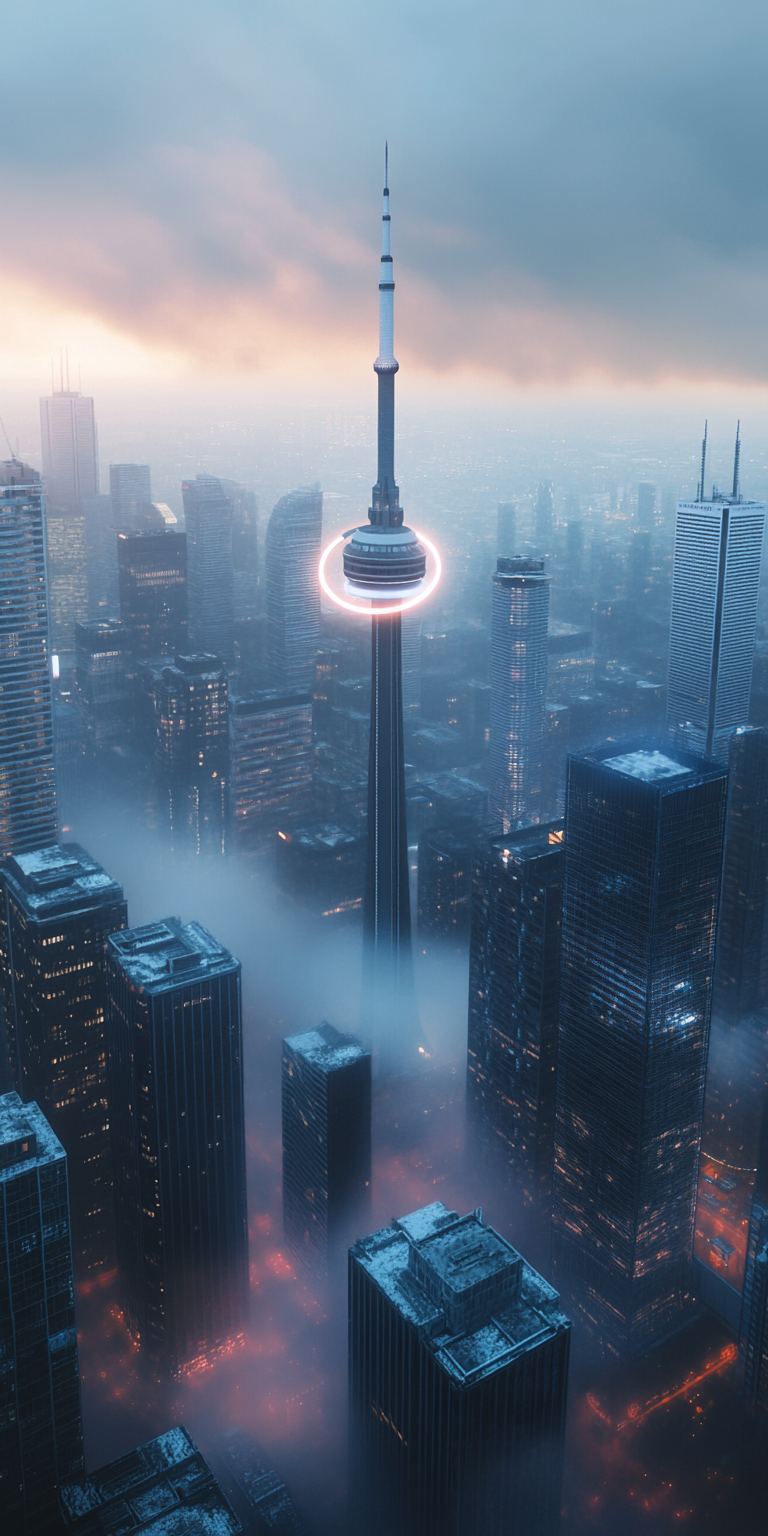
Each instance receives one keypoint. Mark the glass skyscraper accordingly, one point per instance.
(27, 780)
(60, 905)
(41, 1433)
(514, 996)
(210, 590)
(130, 490)
(326, 1145)
(102, 659)
(458, 1371)
(270, 764)
(294, 535)
(175, 1082)
(643, 855)
(152, 573)
(519, 627)
(70, 448)
(739, 988)
(718, 546)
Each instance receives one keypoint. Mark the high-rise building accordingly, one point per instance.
(544, 517)
(326, 1145)
(152, 573)
(130, 489)
(646, 504)
(245, 551)
(100, 558)
(445, 861)
(102, 659)
(210, 591)
(70, 448)
(321, 866)
(458, 1371)
(506, 528)
(164, 1488)
(514, 998)
(27, 779)
(718, 547)
(189, 699)
(644, 843)
(294, 536)
(60, 905)
(67, 551)
(42, 1434)
(741, 926)
(753, 1329)
(519, 627)
(257, 1492)
(175, 1089)
(270, 764)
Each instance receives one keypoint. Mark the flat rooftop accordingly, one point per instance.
(531, 843)
(26, 1138)
(326, 1048)
(163, 1488)
(58, 879)
(649, 766)
(164, 955)
(473, 1300)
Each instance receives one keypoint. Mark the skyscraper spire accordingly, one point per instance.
(385, 509)
(736, 457)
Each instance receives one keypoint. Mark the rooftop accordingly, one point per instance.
(648, 766)
(258, 1485)
(168, 954)
(530, 843)
(326, 1048)
(164, 1488)
(473, 1300)
(25, 1137)
(59, 879)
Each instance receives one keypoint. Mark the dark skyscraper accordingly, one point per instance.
(445, 881)
(326, 1145)
(210, 589)
(519, 649)
(41, 1433)
(754, 1308)
(294, 538)
(742, 918)
(270, 764)
(60, 906)
(152, 570)
(514, 996)
(190, 721)
(458, 1369)
(27, 781)
(102, 658)
(644, 840)
(163, 1487)
(178, 1139)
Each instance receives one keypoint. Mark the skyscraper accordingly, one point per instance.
(741, 925)
(41, 1444)
(102, 659)
(326, 1145)
(644, 840)
(445, 862)
(152, 572)
(67, 549)
(753, 1329)
(70, 448)
(458, 1369)
(163, 1487)
(130, 489)
(60, 905)
(190, 721)
(718, 547)
(245, 550)
(514, 997)
(294, 536)
(519, 625)
(270, 764)
(177, 1123)
(27, 781)
(210, 599)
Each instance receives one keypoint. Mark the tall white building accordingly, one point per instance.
(519, 655)
(718, 545)
(70, 448)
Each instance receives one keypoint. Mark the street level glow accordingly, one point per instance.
(364, 607)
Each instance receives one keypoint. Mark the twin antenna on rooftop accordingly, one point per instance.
(736, 457)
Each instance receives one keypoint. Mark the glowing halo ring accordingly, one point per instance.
(367, 611)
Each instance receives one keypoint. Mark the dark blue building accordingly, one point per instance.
(163, 1488)
(753, 1331)
(41, 1433)
(644, 841)
(458, 1370)
(178, 1139)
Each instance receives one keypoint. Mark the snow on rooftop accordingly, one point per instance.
(650, 767)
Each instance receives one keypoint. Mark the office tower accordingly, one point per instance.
(646, 504)
(130, 490)
(571, 661)
(506, 533)
(190, 722)
(42, 1435)
(445, 862)
(60, 905)
(458, 1371)
(326, 1145)
(270, 764)
(210, 600)
(27, 780)
(175, 1089)
(519, 624)
(411, 662)
(70, 448)
(321, 866)
(644, 841)
(294, 536)
(718, 546)
(256, 1492)
(514, 999)
(164, 1488)
(741, 925)
(245, 551)
(753, 1328)
(544, 517)
(152, 573)
(102, 659)
(67, 551)
(100, 558)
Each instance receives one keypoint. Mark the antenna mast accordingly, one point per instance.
(700, 496)
(736, 457)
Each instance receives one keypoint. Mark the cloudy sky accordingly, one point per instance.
(578, 187)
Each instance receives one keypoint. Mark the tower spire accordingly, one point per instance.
(700, 496)
(736, 457)
(385, 505)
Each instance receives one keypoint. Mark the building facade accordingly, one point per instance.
(445, 860)
(70, 448)
(152, 573)
(41, 1444)
(164, 1487)
(326, 1145)
(189, 716)
(644, 842)
(130, 490)
(519, 629)
(175, 1081)
(102, 661)
(294, 536)
(739, 985)
(458, 1368)
(270, 764)
(514, 1001)
(210, 587)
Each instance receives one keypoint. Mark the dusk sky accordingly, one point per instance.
(577, 188)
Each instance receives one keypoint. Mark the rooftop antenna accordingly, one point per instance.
(703, 462)
(386, 164)
(736, 457)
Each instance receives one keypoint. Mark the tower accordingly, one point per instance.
(130, 490)
(458, 1371)
(270, 764)
(210, 581)
(101, 654)
(41, 1444)
(70, 448)
(519, 655)
(175, 1076)
(643, 854)
(741, 926)
(294, 536)
(152, 573)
